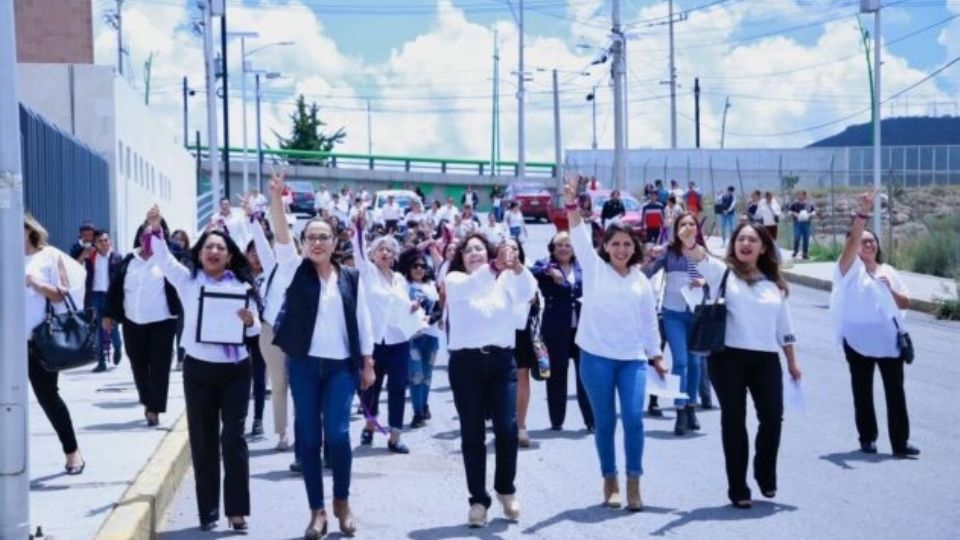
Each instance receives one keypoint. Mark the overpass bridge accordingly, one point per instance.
(437, 177)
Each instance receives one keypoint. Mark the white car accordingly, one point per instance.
(403, 197)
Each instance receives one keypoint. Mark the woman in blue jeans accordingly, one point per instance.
(617, 334)
(324, 329)
(423, 347)
(681, 273)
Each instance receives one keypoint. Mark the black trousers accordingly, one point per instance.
(557, 388)
(259, 375)
(216, 391)
(44, 384)
(734, 372)
(485, 382)
(149, 347)
(861, 379)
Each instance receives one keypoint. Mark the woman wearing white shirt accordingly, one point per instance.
(147, 305)
(617, 334)
(388, 301)
(324, 328)
(46, 278)
(482, 371)
(867, 306)
(516, 223)
(768, 214)
(493, 231)
(216, 378)
(423, 347)
(758, 326)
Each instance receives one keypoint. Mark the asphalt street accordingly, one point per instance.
(827, 488)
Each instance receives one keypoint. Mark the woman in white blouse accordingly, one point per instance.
(46, 279)
(758, 327)
(617, 334)
(482, 371)
(216, 378)
(867, 305)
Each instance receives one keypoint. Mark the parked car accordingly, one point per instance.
(534, 199)
(303, 197)
(630, 204)
(403, 197)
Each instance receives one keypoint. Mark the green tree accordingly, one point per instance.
(307, 130)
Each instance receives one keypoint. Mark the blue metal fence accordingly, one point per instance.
(64, 182)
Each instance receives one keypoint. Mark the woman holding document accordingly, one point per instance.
(617, 334)
(683, 281)
(758, 327)
(324, 328)
(218, 315)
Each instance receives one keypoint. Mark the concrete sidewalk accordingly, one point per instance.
(115, 443)
(925, 291)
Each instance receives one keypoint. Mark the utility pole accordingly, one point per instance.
(618, 116)
(14, 435)
(120, 37)
(558, 151)
(723, 125)
(876, 116)
(226, 103)
(592, 98)
(213, 149)
(673, 86)
(521, 75)
(256, 90)
(369, 130)
(696, 109)
(495, 120)
(243, 93)
(186, 109)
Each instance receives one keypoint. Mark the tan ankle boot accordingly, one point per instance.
(341, 510)
(611, 492)
(634, 503)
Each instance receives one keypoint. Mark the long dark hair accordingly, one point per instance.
(456, 264)
(238, 261)
(618, 227)
(677, 244)
(768, 262)
(410, 257)
(876, 240)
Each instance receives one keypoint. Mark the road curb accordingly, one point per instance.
(137, 514)
(916, 304)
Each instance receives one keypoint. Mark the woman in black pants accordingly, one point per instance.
(561, 284)
(46, 278)
(758, 326)
(216, 378)
(867, 307)
(258, 363)
(148, 306)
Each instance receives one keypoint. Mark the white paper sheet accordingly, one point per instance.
(218, 322)
(667, 387)
(692, 295)
(793, 394)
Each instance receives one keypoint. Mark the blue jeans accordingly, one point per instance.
(677, 326)
(322, 393)
(423, 353)
(603, 378)
(727, 224)
(801, 233)
(390, 362)
(98, 300)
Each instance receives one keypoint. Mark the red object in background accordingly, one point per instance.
(534, 198)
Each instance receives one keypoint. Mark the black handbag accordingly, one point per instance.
(67, 340)
(710, 322)
(904, 343)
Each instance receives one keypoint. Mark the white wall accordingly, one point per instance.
(147, 164)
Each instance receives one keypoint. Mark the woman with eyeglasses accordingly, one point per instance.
(617, 334)
(482, 370)
(423, 347)
(324, 328)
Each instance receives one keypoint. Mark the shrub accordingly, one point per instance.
(825, 252)
(949, 308)
(936, 254)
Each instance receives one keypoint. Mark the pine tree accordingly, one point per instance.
(307, 131)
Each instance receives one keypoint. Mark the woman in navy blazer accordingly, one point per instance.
(561, 284)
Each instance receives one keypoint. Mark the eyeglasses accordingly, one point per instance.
(318, 238)
(419, 266)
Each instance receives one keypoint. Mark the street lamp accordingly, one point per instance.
(592, 98)
(243, 35)
(256, 77)
(873, 6)
(243, 90)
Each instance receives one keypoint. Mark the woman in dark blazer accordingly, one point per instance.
(561, 284)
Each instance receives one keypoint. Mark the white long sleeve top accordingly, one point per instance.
(619, 315)
(758, 315)
(481, 307)
(271, 293)
(188, 288)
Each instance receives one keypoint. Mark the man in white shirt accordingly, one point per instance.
(233, 224)
(257, 201)
(101, 267)
(449, 211)
(322, 200)
(391, 213)
(340, 207)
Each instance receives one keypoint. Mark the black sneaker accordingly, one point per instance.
(426, 412)
(257, 429)
(366, 437)
(654, 411)
(907, 452)
(868, 447)
(101, 367)
(296, 467)
(116, 357)
(417, 422)
(397, 447)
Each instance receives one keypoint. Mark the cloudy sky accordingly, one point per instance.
(793, 70)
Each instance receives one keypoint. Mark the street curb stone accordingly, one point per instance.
(916, 304)
(140, 509)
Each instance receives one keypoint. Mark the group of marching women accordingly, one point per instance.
(331, 331)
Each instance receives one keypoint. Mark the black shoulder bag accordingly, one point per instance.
(710, 322)
(67, 340)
